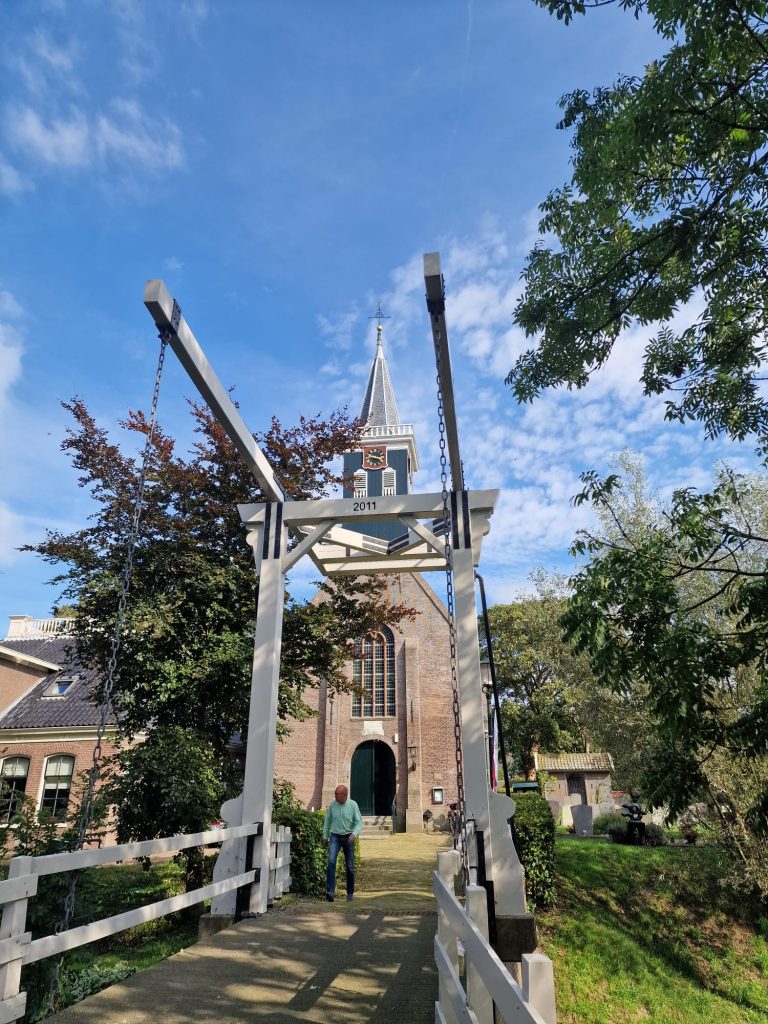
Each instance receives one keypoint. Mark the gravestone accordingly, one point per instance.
(582, 819)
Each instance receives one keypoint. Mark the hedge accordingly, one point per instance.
(309, 857)
(534, 833)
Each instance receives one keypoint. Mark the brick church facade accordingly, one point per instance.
(391, 739)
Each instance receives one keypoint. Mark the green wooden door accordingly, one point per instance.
(361, 789)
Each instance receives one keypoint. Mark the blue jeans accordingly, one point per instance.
(347, 845)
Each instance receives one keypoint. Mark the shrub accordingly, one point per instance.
(655, 836)
(617, 831)
(535, 843)
(603, 822)
(309, 857)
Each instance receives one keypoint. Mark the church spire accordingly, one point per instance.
(379, 406)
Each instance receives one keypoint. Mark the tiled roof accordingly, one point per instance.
(47, 648)
(379, 406)
(575, 762)
(74, 708)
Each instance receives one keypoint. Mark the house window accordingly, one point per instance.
(57, 784)
(388, 481)
(361, 484)
(13, 785)
(58, 687)
(373, 673)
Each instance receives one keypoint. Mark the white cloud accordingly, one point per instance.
(46, 66)
(128, 134)
(9, 306)
(11, 182)
(62, 142)
(340, 331)
(13, 533)
(11, 353)
(172, 264)
(125, 135)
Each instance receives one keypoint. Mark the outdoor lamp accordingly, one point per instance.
(412, 751)
(485, 674)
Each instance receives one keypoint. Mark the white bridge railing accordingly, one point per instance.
(469, 991)
(18, 948)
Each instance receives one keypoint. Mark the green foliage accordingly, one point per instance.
(535, 844)
(309, 855)
(667, 201)
(603, 822)
(188, 641)
(655, 835)
(169, 784)
(617, 831)
(76, 985)
(539, 675)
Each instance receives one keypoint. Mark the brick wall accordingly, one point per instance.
(15, 681)
(39, 751)
(317, 756)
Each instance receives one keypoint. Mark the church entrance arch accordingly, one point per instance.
(373, 778)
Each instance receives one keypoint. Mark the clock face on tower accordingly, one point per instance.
(375, 456)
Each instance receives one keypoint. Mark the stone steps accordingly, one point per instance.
(376, 826)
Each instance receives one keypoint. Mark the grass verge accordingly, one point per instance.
(649, 934)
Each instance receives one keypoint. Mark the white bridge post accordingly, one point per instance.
(269, 544)
(470, 688)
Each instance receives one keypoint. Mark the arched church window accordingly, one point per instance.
(361, 484)
(388, 481)
(373, 673)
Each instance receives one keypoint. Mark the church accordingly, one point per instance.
(390, 740)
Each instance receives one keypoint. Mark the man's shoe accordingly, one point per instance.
(350, 897)
(329, 896)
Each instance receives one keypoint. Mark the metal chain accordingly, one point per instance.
(112, 674)
(451, 612)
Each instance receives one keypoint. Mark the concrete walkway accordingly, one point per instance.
(366, 962)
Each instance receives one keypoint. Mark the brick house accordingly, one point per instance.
(48, 721)
(392, 741)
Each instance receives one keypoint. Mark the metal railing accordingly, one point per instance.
(472, 978)
(17, 948)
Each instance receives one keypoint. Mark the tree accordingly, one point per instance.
(671, 609)
(185, 662)
(539, 675)
(668, 201)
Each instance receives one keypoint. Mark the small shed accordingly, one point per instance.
(587, 776)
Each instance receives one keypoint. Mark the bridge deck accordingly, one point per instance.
(370, 961)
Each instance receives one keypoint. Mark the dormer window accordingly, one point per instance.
(59, 686)
(388, 482)
(361, 484)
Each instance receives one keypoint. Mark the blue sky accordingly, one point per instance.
(283, 165)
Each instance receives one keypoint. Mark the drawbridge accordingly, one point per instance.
(481, 950)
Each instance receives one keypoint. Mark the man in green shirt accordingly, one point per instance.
(342, 826)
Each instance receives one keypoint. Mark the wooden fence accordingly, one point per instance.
(18, 948)
(472, 979)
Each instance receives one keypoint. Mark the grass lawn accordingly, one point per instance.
(648, 934)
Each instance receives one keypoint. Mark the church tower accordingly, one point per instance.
(387, 457)
(390, 736)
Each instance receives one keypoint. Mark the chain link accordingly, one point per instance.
(112, 673)
(451, 610)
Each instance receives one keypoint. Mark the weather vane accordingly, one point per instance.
(378, 315)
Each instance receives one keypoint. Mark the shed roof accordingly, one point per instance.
(575, 762)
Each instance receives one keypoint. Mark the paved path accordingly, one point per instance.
(368, 962)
